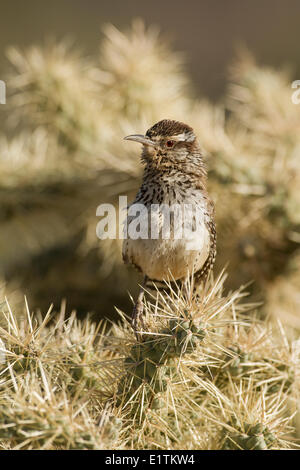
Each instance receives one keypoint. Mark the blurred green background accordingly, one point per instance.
(62, 154)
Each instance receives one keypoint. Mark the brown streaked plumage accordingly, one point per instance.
(174, 173)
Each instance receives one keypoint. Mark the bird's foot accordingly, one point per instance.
(137, 319)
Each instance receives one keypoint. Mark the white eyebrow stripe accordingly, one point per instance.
(179, 137)
(183, 137)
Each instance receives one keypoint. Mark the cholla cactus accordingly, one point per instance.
(199, 364)
(50, 385)
(133, 62)
(207, 373)
(202, 376)
(37, 416)
(282, 297)
(68, 108)
(80, 110)
(255, 421)
(55, 87)
(254, 155)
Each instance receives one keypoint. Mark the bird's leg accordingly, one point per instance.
(138, 310)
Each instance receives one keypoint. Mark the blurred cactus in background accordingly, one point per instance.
(254, 155)
(208, 373)
(70, 157)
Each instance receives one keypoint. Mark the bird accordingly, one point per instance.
(174, 174)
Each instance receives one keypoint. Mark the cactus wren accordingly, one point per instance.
(174, 173)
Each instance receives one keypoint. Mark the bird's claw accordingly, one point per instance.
(137, 318)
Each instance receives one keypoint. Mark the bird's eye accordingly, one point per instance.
(170, 143)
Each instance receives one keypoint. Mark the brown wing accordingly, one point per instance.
(202, 274)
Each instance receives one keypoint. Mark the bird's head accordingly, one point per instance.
(168, 143)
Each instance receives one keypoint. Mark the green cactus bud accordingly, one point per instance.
(159, 385)
(150, 369)
(158, 403)
(256, 443)
(77, 373)
(269, 438)
(156, 355)
(162, 345)
(140, 370)
(274, 388)
(171, 350)
(180, 338)
(193, 340)
(200, 334)
(185, 325)
(136, 351)
(136, 382)
(244, 358)
(255, 430)
(241, 441)
(173, 323)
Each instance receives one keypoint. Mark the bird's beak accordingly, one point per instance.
(142, 139)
